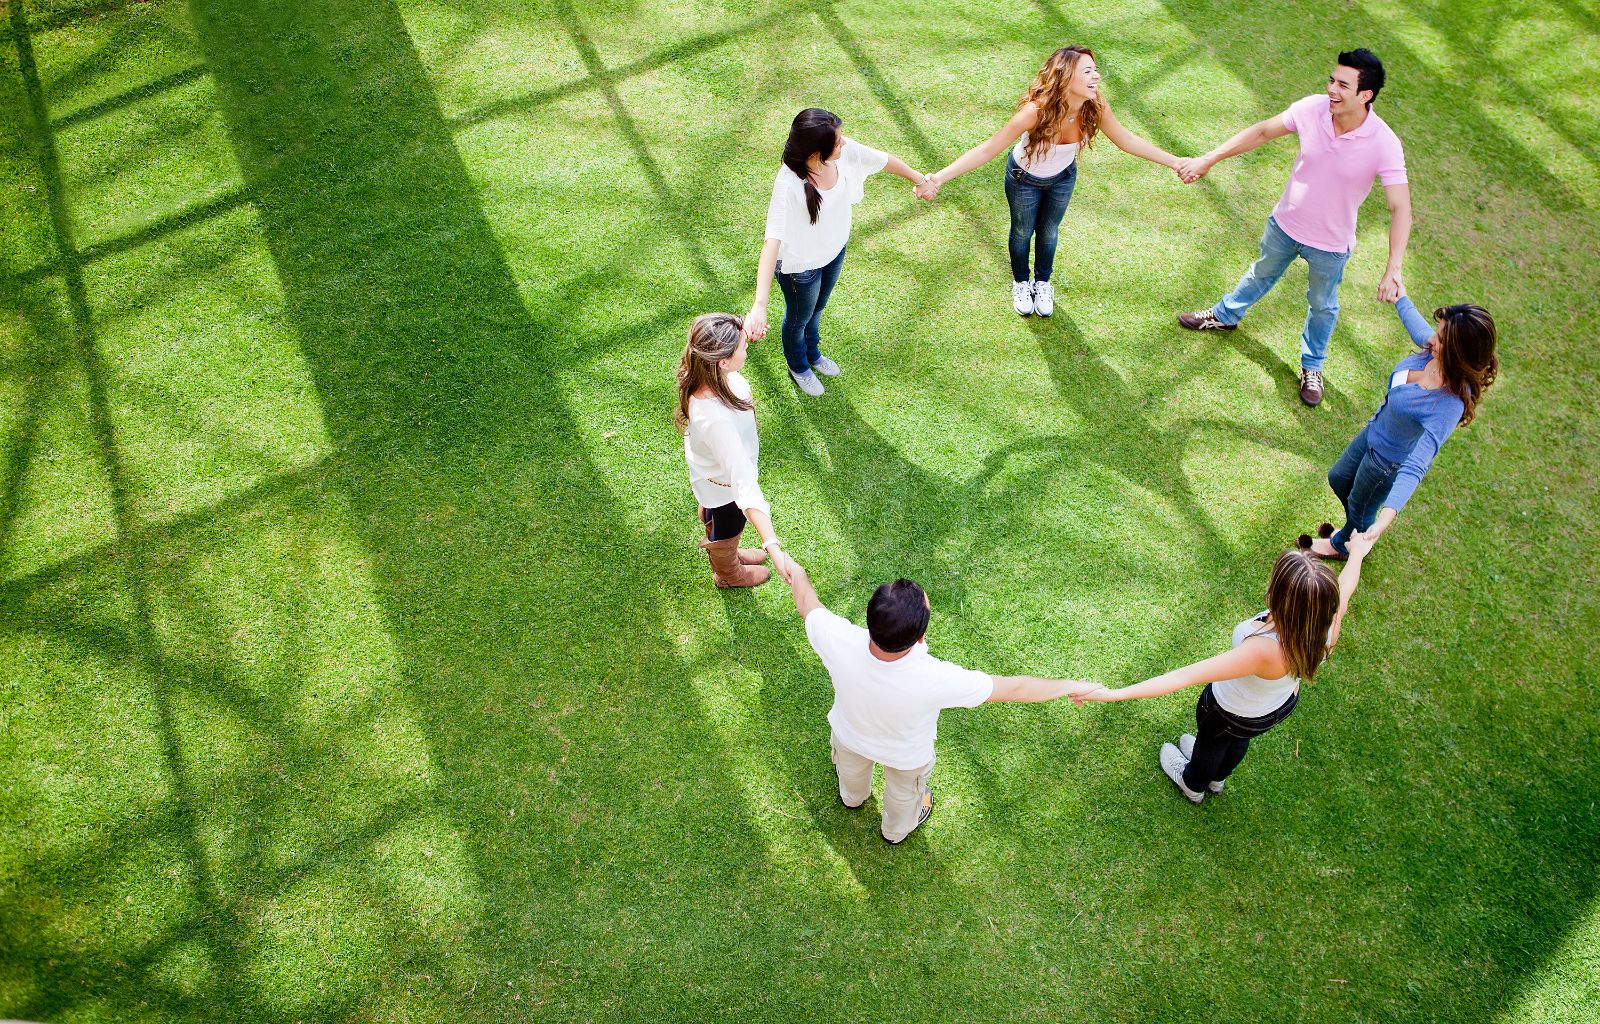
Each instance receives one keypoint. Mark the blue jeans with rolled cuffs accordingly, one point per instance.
(804, 296)
(1278, 250)
(1037, 206)
(1362, 479)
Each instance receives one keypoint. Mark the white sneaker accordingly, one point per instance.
(1022, 298)
(1044, 298)
(827, 367)
(807, 382)
(1173, 763)
(1186, 748)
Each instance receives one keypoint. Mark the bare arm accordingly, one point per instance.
(1131, 143)
(1033, 689)
(1399, 199)
(899, 167)
(755, 322)
(800, 588)
(984, 151)
(1253, 657)
(1349, 578)
(1257, 134)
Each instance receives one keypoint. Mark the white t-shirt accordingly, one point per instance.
(721, 448)
(807, 246)
(889, 710)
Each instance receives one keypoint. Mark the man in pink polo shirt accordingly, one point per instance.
(1343, 147)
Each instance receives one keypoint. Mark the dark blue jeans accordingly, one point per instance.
(1361, 478)
(804, 296)
(1037, 206)
(1221, 739)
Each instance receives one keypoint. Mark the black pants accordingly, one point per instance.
(724, 521)
(1221, 739)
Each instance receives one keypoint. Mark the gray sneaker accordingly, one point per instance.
(807, 382)
(1186, 748)
(1173, 763)
(827, 367)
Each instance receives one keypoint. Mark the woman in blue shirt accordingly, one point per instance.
(1430, 393)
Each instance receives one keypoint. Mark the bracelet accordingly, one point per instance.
(773, 543)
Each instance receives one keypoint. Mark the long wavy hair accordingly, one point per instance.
(1049, 93)
(1466, 354)
(713, 337)
(815, 132)
(1303, 596)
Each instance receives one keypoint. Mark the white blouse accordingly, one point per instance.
(721, 448)
(807, 246)
(1057, 157)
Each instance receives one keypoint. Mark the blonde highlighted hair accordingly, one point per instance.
(1303, 597)
(713, 337)
(1049, 93)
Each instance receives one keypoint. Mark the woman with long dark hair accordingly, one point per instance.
(1255, 685)
(808, 226)
(1430, 392)
(717, 416)
(1057, 117)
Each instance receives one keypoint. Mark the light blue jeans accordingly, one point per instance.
(1278, 250)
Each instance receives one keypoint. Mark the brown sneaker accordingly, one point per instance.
(1310, 386)
(1202, 320)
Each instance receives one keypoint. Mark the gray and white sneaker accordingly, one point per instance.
(807, 382)
(1022, 298)
(1203, 320)
(827, 367)
(1186, 748)
(1044, 298)
(1173, 763)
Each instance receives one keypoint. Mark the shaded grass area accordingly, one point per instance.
(365, 668)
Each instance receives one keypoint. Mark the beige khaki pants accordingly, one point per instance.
(902, 790)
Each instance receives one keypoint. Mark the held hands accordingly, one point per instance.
(1191, 169)
(755, 322)
(1360, 543)
(927, 188)
(785, 566)
(1391, 287)
(1092, 692)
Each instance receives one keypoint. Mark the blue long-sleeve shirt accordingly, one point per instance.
(1412, 421)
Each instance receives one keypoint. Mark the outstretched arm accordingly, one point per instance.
(1249, 658)
(1257, 134)
(1033, 689)
(899, 167)
(1350, 577)
(800, 588)
(1131, 143)
(983, 152)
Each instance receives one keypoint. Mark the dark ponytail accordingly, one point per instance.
(815, 132)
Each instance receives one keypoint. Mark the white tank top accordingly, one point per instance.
(1055, 159)
(1252, 696)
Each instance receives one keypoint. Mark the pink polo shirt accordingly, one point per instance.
(1331, 176)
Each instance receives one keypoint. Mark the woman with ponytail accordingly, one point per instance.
(1058, 115)
(717, 417)
(1430, 392)
(1255, 685)
(808, 225)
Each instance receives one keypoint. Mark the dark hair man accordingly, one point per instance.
(1343, 147)
(888, 692)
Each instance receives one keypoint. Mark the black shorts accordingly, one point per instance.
(724, 521)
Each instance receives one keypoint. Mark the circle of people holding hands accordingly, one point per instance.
(888, 688)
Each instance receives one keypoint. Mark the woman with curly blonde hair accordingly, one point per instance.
(1059, 114)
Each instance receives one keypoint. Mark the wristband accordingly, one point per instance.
(773, 543)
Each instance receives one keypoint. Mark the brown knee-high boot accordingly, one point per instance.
(728, 568)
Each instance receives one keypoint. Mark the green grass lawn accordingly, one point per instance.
(359, 663)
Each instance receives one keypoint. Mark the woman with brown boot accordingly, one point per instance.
(718, 421)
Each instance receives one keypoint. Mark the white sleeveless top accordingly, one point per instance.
(1056, 158)
(1252, 696)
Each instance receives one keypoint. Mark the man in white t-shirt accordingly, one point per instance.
(888, 692)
